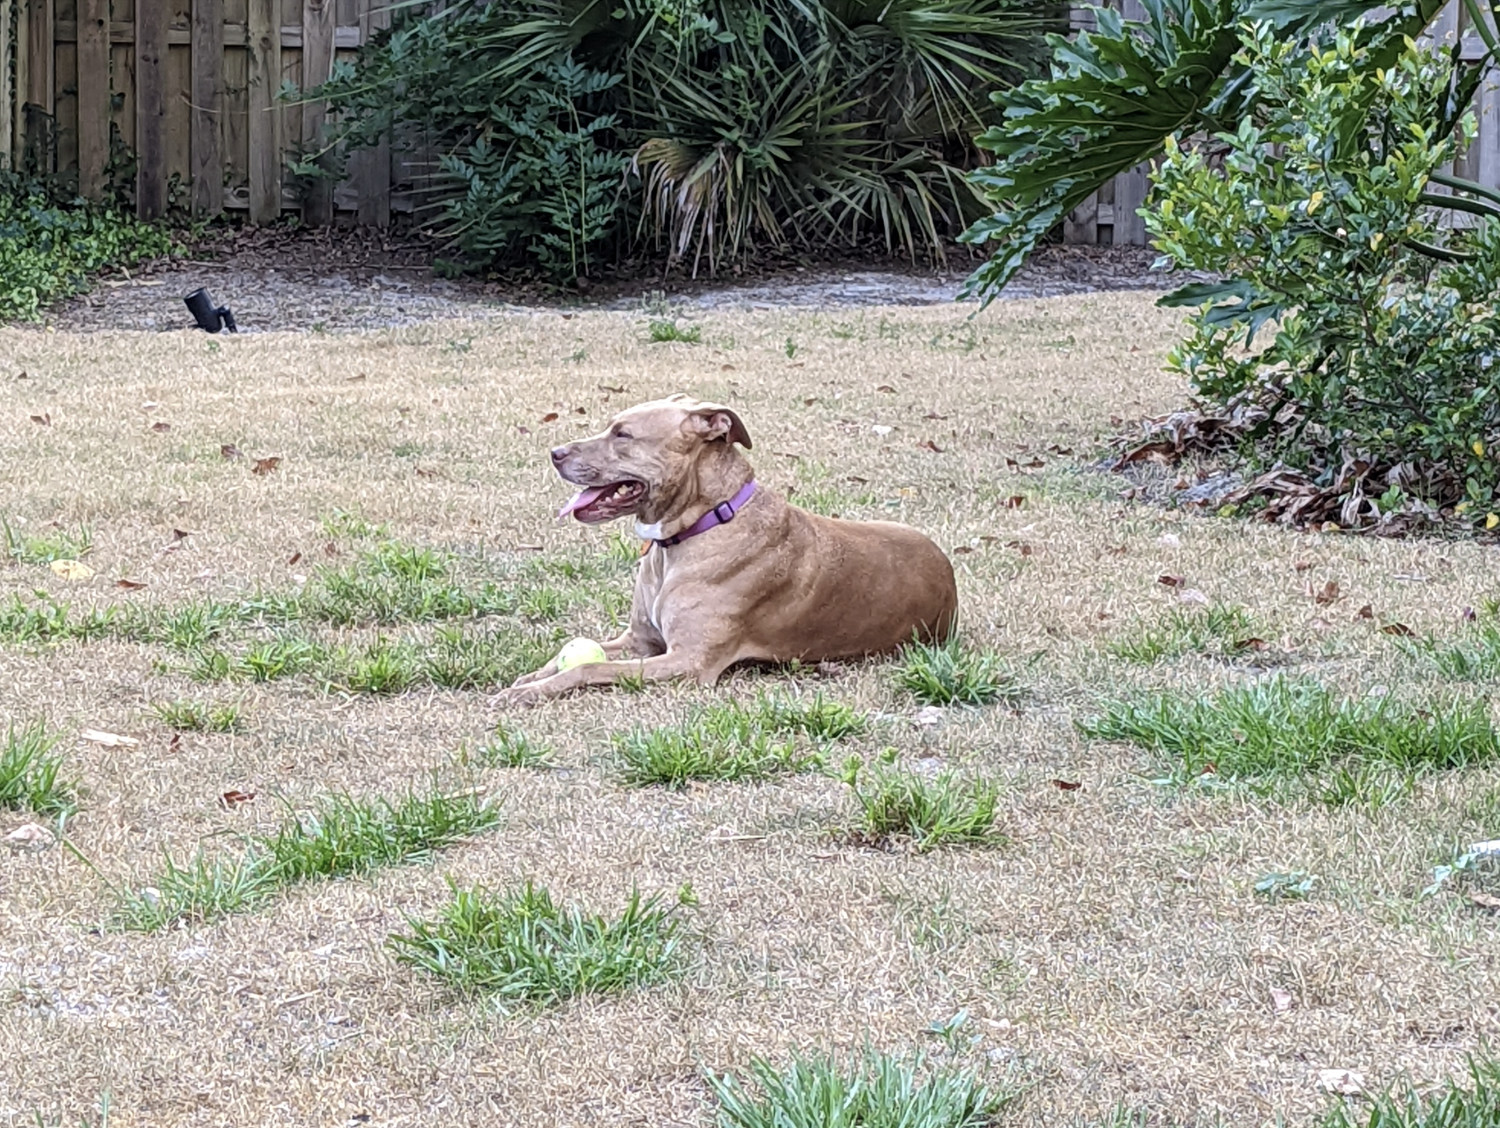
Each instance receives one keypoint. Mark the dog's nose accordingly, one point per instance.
(560, 453)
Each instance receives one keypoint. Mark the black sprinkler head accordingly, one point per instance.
(210, 318)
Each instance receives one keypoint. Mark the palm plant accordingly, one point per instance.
(1117, 94)
(815, 123)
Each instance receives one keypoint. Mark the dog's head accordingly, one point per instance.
(651, 460)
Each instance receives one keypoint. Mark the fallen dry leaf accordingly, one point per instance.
(885, 388)
(1469, 615)
(161, 428)
(1344, 1082)
(1486, 901)
(174, 743)
(108, 739)
(928, 444)
(229, 451)
(1170, 581)
(1252, 644)
(29, 839)
(614, 390)
(1302, 565)
(74, 570)
(1014, 502)
(1066, 785)
(550, 417)
(1281, 1000)
(1365, 612)
(266, 465)
(232, 799)
(1326, 594)
(181, 534)
(296, 556)
(42, 420)
(1399, 629)
(130, 585)
(355, 378)
(963, 550)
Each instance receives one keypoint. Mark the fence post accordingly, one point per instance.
(7, 103)
(265, 116)
(317, 60)
(205, 143)
(93, 96)
(40, 58)
(151, 110)
(375, 168)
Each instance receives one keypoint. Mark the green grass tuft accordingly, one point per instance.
(1216, 630)
(511, 748)
(31, 773)
(664, 331)
(732, 741)
(200, 891)
(1473, 657)
(343, 835)
(338, 837)
(1453, 1105)
(522, 946)
(45, 548)
(899, 806)
(821, 1092)
(1293, 730)
(949, 674)
(47, 620)
(196, 716)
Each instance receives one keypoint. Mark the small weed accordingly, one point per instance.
(790, 348)
(948, 674)
(1450, 1106)
(664, 331)
(523, 947)
(45, 548)
(380, 667)
(1216, 630)
(30, 772)
(821, 1092)
(1296, 885)
(456, 659)
(196, 716)
(345, 524)
(510, 748)
(278, 658)
(398, 583)
(901, 806)
(1283, 729)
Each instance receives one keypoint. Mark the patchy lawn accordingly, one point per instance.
(304, 650)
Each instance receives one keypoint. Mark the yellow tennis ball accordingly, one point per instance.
(580, 652)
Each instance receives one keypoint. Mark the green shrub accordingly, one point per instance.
(50, 251)
(1380, 382)
(706, 129)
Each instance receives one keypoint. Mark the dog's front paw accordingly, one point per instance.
(518, 696)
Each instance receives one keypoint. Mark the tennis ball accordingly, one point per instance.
(580, 652)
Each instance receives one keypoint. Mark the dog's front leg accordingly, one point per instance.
(662, 667)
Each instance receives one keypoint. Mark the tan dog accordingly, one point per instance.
(735, 573)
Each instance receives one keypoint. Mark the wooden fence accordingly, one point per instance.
(182, 97)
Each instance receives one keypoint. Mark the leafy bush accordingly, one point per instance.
(49, 250)
(706, 128)
(1380, 383)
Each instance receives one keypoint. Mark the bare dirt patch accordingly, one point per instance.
(284, 280)
(1114, 949)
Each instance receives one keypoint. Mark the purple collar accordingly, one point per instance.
(721, 514)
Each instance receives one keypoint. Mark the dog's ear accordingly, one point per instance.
(715, 421)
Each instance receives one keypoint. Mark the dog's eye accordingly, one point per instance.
(620, 433)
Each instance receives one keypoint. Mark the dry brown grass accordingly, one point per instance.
(1114, 947)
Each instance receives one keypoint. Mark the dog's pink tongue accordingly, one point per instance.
(581, 499)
